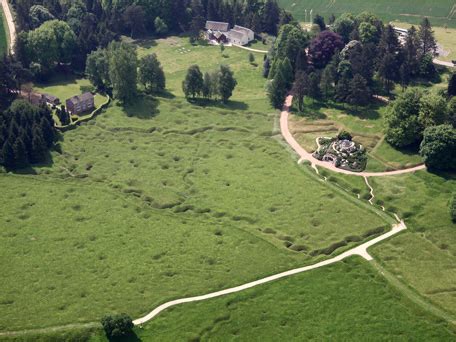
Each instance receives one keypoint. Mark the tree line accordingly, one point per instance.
(347, 61)
(60, 33)
(117, 70)
(214, 84)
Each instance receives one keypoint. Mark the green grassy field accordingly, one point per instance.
(3, 33)
(345, 301)
(365, 125)
(440, 12)
(164, 199)
(425, 257)
(422, 259)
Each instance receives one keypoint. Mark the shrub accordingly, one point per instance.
(117, 326)
(344, 135)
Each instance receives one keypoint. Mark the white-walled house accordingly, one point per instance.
(250, 34)
(238, 38)
(217, 31)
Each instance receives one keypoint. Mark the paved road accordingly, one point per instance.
(360, 250)
(10, 23)
(304, 155)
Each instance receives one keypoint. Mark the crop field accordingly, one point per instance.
(441, 12)
(428, 251)
(164, 199)
(345, 301)
(365, 125)
(3, 33)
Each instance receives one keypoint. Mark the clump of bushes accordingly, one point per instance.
(117, 326)
(344, 135)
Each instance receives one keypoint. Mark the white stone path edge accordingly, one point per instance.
(360, 251)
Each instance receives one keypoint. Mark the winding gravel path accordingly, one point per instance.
(443, 63)
(10, 23)
(304, 155)
(249, 49)
(360, 251)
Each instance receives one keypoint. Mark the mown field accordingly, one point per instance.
(164, 199)
(441, 12)
(3, 33)
(365, 125)
(346, 301)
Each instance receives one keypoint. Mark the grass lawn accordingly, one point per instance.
(163, 199)
(440, 12)
(3, 33)
(424, 257)
(365, 125)
(346, 301)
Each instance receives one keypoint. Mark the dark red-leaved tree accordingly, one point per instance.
(323, 46)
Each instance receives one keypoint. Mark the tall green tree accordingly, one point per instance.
(438, 148)
(226, 82)
(402, 125)
(389, 57)
(134, 19)
(344, 26)
(97, 69)
(52, 43)
(123, 65)
(193, 83)
(452, 111)
(300, 88)
(359, 94)
(328, 79)
(320, 21)
(452, 85)
(433, 110)
(277, 90)
(151, 74)
(426, 34)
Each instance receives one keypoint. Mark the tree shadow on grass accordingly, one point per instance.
(312, 110)
(144, 107)
(365, 113)
(60, 79)
(146, 43)
(165, 94)
(31, 169)
(132, 337)
(229, 105)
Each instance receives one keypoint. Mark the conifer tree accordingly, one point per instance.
(426, 34)
(7, 155)
(359, 93)
(278, 90)
(300, 88)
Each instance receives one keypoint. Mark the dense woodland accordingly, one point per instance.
(26, 134)
(56, 33)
